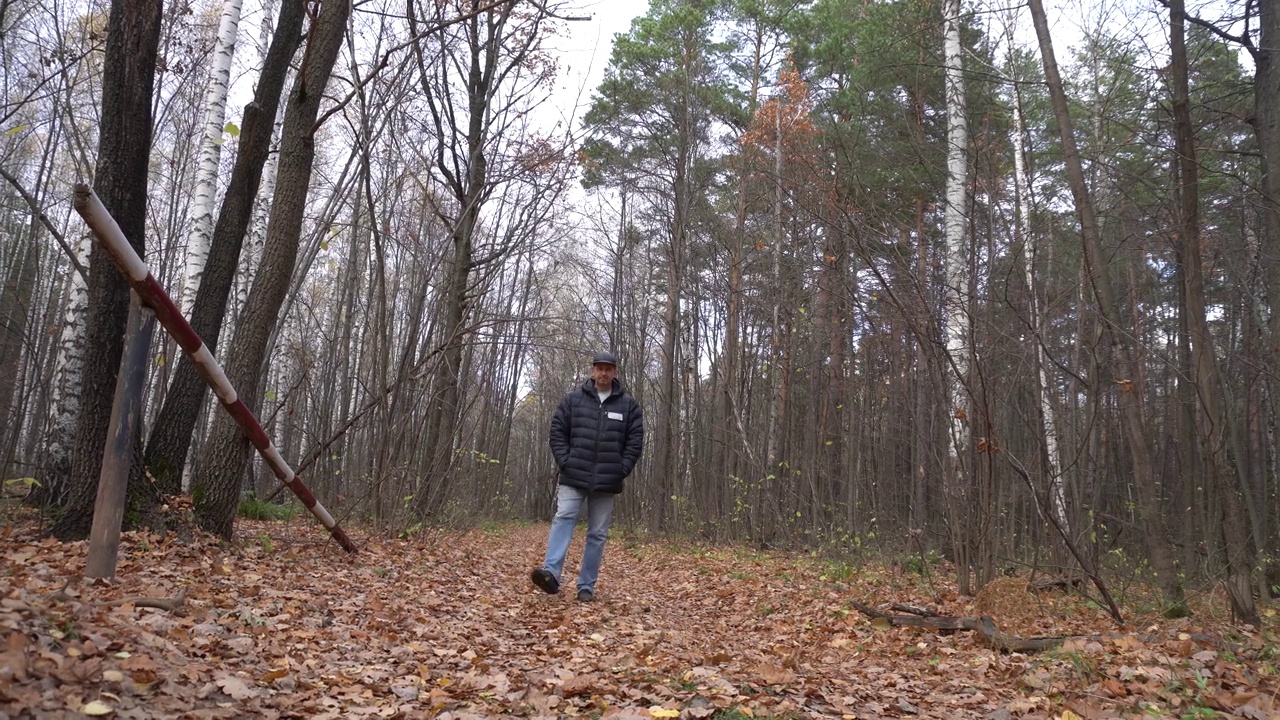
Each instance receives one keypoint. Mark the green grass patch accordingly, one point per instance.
(255, 509)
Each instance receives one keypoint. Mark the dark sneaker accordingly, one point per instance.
(545, 580)
(585, 595)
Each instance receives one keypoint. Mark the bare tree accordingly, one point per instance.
(120, 180)
(476, 77)
(217, 486)
(1155, 530)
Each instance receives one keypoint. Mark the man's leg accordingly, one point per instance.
(568, 505)
(599, 515)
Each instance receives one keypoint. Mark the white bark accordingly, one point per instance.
(957, 328)
(65, 394)
(251, 251)
(1022, 189)
(215, 110)
(266, 28)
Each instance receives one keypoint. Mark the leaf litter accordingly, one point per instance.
(281, 624)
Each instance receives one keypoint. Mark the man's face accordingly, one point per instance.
(604, 373)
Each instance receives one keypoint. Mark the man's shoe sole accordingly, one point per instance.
(545, 581)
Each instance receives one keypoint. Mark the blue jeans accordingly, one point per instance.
(599, 514)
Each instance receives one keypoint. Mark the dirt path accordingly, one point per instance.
(281, 625)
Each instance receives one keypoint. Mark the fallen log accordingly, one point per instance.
(984, 626)
(159, 603)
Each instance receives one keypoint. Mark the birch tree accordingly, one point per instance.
(958, 328)
(217, 486)
(211, 140)
(1023, 210)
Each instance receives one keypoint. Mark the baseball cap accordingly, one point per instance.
(605, 357)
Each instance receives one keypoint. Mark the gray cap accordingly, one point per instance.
(605, 357)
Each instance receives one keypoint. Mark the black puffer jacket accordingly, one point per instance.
(596, 445)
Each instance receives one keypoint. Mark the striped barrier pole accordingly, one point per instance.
(139, 277)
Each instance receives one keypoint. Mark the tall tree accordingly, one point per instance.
(217, 486)
(489, 65)
(1124, 369)
(958, 327)
(171, 434)
(120, 180)
(1043, 363)
(1218, 425)
(649, 123)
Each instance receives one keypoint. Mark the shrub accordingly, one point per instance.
(255, 509)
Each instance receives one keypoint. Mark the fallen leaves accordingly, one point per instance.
(96, 708)
(450, 627)
(235, 687)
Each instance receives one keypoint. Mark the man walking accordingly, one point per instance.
(597, 435)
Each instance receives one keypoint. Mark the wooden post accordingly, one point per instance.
(148, 289)
(126, 411)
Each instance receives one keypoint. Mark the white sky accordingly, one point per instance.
(585, 50)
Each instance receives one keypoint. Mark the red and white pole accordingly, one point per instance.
(135, 271)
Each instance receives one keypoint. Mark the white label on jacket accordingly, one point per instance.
(615, 416)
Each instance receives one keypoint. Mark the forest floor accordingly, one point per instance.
(281, 623)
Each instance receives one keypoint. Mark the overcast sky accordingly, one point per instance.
(586, 48)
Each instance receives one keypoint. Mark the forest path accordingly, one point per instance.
(282, 624)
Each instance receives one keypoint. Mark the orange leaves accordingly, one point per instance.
(452, 625)
(791, 110)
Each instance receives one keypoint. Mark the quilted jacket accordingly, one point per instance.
(596, 445)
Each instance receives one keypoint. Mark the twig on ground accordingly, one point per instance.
(169, 604)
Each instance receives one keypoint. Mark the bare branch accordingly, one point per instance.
(44, 220)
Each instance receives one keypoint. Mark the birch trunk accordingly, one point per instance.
(251, 249)
(958, 327)
(65, 400)
(215, 106)
(1022, 188)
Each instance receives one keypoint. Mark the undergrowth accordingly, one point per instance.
(255, 509)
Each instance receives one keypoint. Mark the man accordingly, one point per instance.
(597, 435)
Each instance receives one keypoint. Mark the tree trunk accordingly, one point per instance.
(217, 486)
(1218, 426)
(958, 330)
(120, 180)
(774, 479)
(170, 439)
(1155, 531)
(55, 475)
(215, 106)
(1048, 427)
